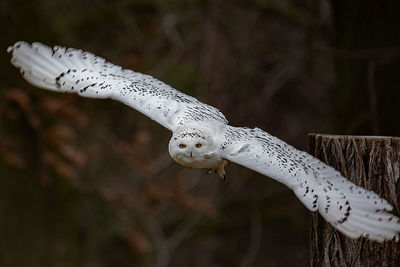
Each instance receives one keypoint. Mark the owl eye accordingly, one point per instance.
(198, 145)
(182, 146)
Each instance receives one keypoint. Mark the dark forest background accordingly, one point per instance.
(88, 182)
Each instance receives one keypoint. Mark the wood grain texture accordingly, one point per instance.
(369, 161)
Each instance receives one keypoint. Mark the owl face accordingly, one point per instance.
(192, 148)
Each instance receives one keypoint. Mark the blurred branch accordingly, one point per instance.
(169, 27)
(184, 232)
(160, 243)
(384, 55)
(282, 73)
(255, 239)
(209, 42)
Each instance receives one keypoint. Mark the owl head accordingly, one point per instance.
(190, 146)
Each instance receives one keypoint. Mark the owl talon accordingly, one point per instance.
(221, 169)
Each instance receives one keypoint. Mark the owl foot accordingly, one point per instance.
(221, 169)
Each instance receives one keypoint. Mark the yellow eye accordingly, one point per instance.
(182, 146)
(198, 145)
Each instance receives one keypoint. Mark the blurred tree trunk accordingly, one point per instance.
(374, 163)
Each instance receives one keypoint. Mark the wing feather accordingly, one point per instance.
(75, 71)
(351, 209)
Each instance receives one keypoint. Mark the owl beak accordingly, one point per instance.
(191, 153)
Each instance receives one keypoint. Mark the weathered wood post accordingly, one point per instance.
(374, 163)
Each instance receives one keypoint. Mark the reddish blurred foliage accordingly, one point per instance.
(63, 108)
(7, 154)
(62, 154)
(61, 132)
(18, 96)
(138, 242)
(62, 168)
(130, 61)
(61, 139)
(23, 101)
(136, 150)
(158, 192)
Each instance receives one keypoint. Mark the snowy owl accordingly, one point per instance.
(202, 138)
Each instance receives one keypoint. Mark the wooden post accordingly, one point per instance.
(369, 161)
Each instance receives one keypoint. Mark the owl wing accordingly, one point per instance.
(75, 71)
(351, 209)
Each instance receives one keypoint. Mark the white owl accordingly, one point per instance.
(202, 138)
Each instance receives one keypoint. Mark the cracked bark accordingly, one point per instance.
(374, 163)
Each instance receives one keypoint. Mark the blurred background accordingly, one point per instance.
(88, 182)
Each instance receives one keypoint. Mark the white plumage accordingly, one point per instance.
(202, 137)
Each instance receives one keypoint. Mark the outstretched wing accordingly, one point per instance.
(351, 209)
(74, 71)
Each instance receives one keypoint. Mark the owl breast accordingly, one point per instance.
(209, 160)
